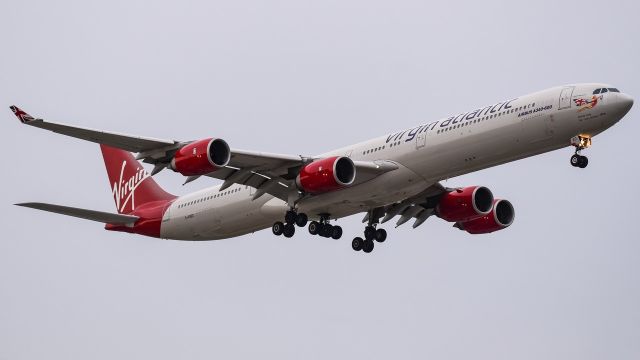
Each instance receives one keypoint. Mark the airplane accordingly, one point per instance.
(395, 175)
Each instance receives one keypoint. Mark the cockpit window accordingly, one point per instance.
(614, 90)
(603, 91)
(596, 91)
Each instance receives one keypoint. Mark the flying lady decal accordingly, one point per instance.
(584, 104)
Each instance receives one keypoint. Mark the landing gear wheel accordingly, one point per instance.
(301, 219)
(356, 244)
(381, 235)
(336, 232)
(277, 228)
(289, 230)
(290, 217)
(369, 232)
(575, 160)
(326, 230)
(367, 246)
(314, 228)
(583, 162)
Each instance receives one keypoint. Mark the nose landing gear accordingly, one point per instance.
(580, 161)
(580, 142)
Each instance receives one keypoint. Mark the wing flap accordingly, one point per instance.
(99, 216)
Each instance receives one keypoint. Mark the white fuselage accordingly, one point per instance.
(428, 153)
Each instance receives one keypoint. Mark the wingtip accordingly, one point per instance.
(21, 114)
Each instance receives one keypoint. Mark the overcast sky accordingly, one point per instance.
(302, 77)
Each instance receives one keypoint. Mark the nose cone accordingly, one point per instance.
(625, 102)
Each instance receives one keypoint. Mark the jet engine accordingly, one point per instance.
(326, 175)
(465, 204)
(500, 217)
(201, 157)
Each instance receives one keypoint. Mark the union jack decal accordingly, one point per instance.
(22, 116)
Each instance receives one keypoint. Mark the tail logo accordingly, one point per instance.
(124, 191)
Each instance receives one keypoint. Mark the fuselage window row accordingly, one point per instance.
(208, 198)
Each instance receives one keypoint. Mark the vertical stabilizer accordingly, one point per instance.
(131, 185)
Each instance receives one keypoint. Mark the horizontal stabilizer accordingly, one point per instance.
(99, 216)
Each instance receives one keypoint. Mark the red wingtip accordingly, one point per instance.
(22, 116)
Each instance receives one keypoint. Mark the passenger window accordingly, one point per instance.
(603, 91)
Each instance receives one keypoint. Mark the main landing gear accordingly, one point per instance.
(324, 229)
(291, 219)
(580, 142)
(371, 233)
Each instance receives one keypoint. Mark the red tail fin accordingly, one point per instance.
(131, 185)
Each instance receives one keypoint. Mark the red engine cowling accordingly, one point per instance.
(326, 175)
(465, 204)
(201, 157)
(500, 217)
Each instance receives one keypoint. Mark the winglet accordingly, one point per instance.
(22, 116)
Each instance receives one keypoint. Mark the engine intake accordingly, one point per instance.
(500, 217)
(465, 204)
(326, 175)
(201, 157)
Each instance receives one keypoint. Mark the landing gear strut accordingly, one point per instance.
(580, 142)
(288, 228)
(324, 229)
(371, 233)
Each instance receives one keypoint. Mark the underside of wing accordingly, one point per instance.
(419, 207)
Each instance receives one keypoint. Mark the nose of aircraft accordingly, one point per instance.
(625, 101)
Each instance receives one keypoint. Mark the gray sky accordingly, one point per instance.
(303, 78)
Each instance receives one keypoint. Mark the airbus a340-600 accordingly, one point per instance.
(395, 175)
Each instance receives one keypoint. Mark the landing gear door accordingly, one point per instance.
(565, 98)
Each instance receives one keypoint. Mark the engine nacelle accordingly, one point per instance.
(465, 204)
(326, 175)
(500, 217)
(201, 157)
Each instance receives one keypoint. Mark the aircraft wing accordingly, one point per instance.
(121, 141)
(419, 207)
(99, 216)
(267, 172)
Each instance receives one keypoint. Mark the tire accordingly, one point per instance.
(381, 235)
(290, 217)
(277, 228)
(369, 233)
(326, 230)
(336, 232)
(289, 230)
(575, 160)
(314, 228)
(368, 246)
(356, 244)
(301, 219)
(584, 161)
